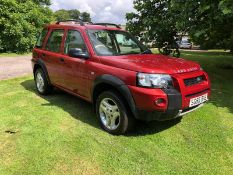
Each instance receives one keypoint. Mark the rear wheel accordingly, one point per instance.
(42, 84)
(112, 113)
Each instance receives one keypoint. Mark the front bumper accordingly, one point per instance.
(163, 116)
(173, 108)
(177, 101)
(145, 103)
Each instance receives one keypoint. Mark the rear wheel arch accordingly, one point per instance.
(42, 85)
(36, 66)
(41, 65)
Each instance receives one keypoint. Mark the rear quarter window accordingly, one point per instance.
(41, 38)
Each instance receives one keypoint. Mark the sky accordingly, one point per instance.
(112, 11)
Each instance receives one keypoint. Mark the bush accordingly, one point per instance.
(20, 21)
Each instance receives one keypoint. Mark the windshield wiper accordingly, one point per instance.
(148, 51)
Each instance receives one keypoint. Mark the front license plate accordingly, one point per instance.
(198, 100)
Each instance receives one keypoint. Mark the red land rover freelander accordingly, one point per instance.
(105, 65)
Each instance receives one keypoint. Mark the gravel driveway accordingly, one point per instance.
(11, 67)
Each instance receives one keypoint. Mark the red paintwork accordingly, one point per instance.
(150, 63)
(76, 75)
(145, 98)
(203, 87)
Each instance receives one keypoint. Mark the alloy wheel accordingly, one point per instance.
(40, 82)
(109, 113)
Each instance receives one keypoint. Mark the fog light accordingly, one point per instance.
(160, 102)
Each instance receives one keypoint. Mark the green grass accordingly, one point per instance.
(59, 134)
(13, 54)
(155, 50)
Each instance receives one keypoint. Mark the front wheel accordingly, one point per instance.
(112, 113)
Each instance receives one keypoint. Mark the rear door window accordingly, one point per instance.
(55, 40)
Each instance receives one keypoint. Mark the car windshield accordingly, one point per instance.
(114, 42)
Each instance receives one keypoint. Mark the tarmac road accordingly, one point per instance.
(11, 67)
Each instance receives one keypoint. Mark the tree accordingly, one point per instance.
(209, 23)
(153, 21)
(86, 17)
(61, 15)
(20, 21)
(41, 2)
(72, 14)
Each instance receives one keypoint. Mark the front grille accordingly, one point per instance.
(193, 81)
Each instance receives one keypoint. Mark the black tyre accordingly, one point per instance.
(42, 84)
(113, 114)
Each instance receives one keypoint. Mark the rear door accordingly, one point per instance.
(52, 56)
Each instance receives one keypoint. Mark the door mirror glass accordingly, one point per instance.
(78, 53)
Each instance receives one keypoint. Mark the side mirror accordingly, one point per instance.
(78, 53)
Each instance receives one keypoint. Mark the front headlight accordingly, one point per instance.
(154, 80)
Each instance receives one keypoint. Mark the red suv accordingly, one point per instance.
(105, 65)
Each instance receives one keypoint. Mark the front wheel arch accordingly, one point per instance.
(109, 82)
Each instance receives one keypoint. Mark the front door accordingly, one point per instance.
(76, 74)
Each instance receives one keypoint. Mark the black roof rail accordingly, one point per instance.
(107, 24)
(72, 20)
(83, 23)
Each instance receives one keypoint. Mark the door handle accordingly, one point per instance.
(62, 60)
